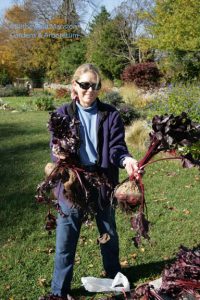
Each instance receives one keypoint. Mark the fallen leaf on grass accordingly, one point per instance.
(49, 250)
(42, 281)
(7, 287)
(171, 174)
(166, 257)
(83, 240)
(178, 219)
(124, 263)
(103, 273)
(89, 224)
(103, 239)
(77, 259)
(186, 212)
(154, 173)
(197, 178)
(159, 199)
(170, 207)
(133, 255)
(188, 186)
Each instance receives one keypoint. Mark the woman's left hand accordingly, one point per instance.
(131, 166)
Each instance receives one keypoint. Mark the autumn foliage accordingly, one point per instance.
(145, 75)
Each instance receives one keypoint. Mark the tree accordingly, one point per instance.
(105, 48)
(132, 26)
(100, 19)
(176, 25)
(34, 50)
(4, 76)
(181, 66)
(113, 42)
(72, 11)
(68, 13)
(71, 57)
(9, 46)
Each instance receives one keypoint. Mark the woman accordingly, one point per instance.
(102, 148)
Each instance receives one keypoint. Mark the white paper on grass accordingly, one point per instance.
(156, 283)
(118, 284)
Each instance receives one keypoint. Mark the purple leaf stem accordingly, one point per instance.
(160, 159)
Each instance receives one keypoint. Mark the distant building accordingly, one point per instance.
(23, 82)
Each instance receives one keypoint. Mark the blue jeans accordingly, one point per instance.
(67, 234)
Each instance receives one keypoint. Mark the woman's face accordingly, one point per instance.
(86, 97)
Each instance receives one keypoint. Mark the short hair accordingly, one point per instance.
(84, 68)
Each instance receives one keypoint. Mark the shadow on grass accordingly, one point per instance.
(18, 160)
(10, 130)
(21, 151)
(18, 210)
(134, 274)
(21, 170)
(143, 271)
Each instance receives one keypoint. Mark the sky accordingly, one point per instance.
(109, 4)
(4, 5)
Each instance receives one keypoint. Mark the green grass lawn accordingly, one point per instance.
(27, 103)
(27, 251)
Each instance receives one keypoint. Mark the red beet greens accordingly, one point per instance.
(79, 186)
(183, 276)
(180, 280)
(177, 135)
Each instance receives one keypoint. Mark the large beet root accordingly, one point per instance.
(128, 194)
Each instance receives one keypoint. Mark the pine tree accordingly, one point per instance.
(99, 20)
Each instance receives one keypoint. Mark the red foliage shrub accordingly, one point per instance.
(145, 75)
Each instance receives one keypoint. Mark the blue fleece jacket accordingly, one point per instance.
(111, 147)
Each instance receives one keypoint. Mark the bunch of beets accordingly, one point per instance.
(79, 184)
(180, 280)
(170, 134)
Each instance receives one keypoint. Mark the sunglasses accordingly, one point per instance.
(87, 85)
